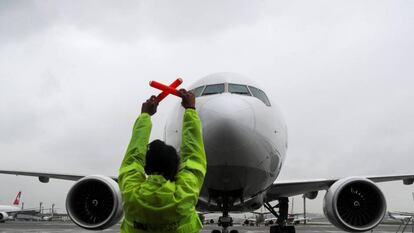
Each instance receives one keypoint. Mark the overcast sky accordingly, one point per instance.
(73, 75)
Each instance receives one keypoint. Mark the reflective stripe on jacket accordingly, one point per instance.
(152, 203)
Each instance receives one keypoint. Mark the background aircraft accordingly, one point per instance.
(9, 212)
(245, 140)
(257, 218)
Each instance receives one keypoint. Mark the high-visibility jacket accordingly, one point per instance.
(153, 203)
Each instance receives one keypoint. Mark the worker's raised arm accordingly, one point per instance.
(131, 172)
(193, 168)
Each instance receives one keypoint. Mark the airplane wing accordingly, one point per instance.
(293, 188)
(44, 177)
(406, 214)
(400, 217)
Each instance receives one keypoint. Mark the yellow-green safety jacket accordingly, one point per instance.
(153, 203)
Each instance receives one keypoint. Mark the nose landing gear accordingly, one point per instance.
(225, 221)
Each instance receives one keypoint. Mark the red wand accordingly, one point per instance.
(166, 89)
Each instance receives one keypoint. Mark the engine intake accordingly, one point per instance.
(354, 204)
(94, 202)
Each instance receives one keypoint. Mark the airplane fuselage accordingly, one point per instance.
(245, 142)
(7, 208)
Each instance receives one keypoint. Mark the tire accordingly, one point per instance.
(287, 229)
(290, 229)
(275, 229)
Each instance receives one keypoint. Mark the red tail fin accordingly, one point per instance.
(17, 199)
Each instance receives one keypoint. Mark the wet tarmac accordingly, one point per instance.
(68, 227)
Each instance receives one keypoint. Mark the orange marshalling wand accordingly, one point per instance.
(166, 89)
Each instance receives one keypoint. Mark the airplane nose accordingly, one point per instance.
(235, 151)
(228, 130)
(227, 109)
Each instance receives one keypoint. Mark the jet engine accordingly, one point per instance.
(94, 202)
(3, 216)
(354, 204)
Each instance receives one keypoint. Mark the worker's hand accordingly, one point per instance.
(188, 98)
(150, 106)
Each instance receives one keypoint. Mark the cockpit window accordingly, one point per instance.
(238, 89)
(260, 95)
(213, 89)
(197, 91)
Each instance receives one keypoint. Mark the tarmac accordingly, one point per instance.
(68, 227)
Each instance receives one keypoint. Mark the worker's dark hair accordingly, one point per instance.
(162, 159)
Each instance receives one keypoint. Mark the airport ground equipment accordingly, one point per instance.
(404, 224)
(405, 219)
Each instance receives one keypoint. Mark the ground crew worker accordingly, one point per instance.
(159, 191)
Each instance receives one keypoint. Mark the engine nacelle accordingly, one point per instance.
(94, 202)
(3, 216)
(354, 204)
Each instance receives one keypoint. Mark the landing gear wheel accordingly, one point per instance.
(286, 229)
(234, 231)
(215, 231)
(290, 229)
(275, 229)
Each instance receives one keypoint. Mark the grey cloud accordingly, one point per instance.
(128, 20)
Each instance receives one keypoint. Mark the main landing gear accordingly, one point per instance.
(282, 216)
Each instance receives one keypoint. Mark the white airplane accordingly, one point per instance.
(245, 140)
(257, 218)
(7, 212)
(298, 218)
